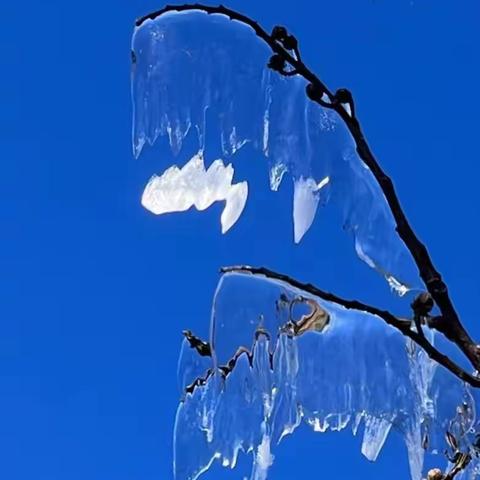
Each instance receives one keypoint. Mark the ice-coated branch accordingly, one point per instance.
(460, 463)
(463, 459)
(404, 326)
(202, 348)
(286, 354)
(286, 53)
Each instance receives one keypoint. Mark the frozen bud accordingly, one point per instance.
(276, 63)
(279, 33)
(343, 95)
(290, 42)
(314, 92)
(423, 304)
(435, 474)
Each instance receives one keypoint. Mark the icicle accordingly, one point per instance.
(305, 203)
(235, 203)
(277, 172)
(376, 432)
(263, 458)
(177, 79)
(357, 368)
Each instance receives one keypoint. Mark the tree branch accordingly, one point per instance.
(448, 322)
(404, 326)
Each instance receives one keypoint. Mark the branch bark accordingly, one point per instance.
(448, 322)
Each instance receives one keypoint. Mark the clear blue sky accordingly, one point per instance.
(95, 290)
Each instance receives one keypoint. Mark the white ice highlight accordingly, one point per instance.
(376, 432)
(177, 190)
(263, 459)
(305, 204)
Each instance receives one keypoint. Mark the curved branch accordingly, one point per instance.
(448, 322)
(404, 326)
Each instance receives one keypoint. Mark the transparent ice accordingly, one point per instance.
(192, 68)
(291, 358)
(352, 371)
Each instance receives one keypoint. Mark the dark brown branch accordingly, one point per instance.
(448, 323)
(404, 326)
(226, 369)
(202, 348)
(199, 382)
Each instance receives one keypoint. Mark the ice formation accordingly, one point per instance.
(301, 359)
(305, 203)
(350, 371)
(177, 190)
(181, 85)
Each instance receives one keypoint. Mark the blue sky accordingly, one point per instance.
(96, 290)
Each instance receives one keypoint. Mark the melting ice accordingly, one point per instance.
(191, 69)
(274, 367)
